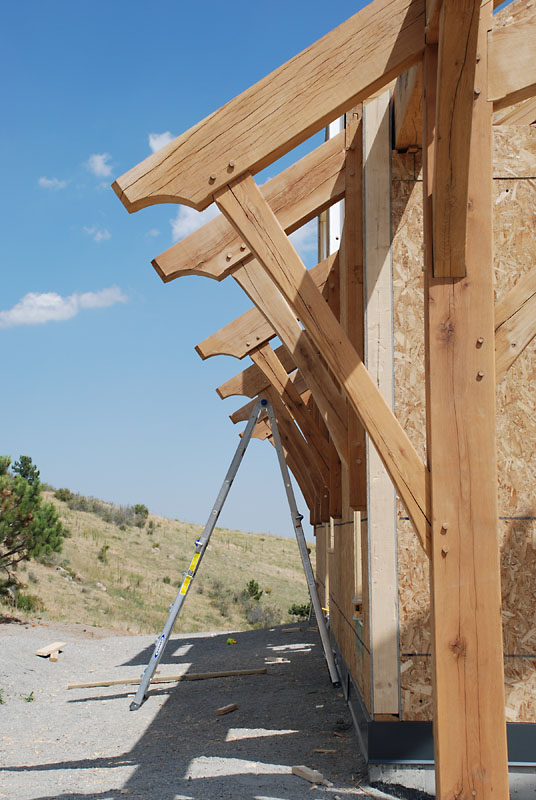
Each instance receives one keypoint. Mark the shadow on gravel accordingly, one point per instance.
(187, 751)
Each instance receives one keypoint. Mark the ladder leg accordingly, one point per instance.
(200, 547)
(302, 546)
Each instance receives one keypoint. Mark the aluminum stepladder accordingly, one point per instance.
(201, 545)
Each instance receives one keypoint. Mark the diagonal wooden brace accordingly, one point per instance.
(244, 206)
(269, 364)
(260, 289)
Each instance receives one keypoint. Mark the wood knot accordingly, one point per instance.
(446, 331)
(458, 647)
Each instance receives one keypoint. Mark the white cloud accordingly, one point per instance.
(153, 233)
(36, 308)
(189, 220)
(51, 183)
(305, 238)
(99, 165)
(98, 234)
(158, 140)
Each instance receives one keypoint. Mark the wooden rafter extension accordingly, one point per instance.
(301, 450)
(283, 109)
(248, 212)
(314, 502)
(267, 361)
(250, 382)
(263, 432)
(458, 32)
(296, 195)
(260, 289)
(515, 323)
(512, 63)
(252, 329)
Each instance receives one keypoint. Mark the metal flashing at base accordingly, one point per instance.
(403, 752)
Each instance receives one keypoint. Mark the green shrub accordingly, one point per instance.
(253, 590)
(166, 579)
(65, 495)
(28, 602)
(300, 610)
(103, 553)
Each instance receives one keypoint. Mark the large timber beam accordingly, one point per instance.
(469, 723)
(296, 195)
(293, 288)
(283, 109)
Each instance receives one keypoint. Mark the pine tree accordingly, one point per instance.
(29, 528)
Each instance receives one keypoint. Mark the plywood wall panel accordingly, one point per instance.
(515, 253)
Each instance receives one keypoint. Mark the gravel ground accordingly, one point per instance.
(85, 743)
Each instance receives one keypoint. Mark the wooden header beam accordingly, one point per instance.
(283, 109)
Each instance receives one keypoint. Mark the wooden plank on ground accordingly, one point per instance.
(192, 676)
(283, 109)
(469, 723)
(457, 54)
(296, 196)
(247, 210)
(226, 709)
(55, 647)
(512, 63)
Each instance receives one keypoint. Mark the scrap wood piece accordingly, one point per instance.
(290, 630)
(324, 750)
(308, 774)
(226, 709)
(194, 676)
(54, 647)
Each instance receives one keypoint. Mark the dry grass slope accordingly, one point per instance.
(132, 585)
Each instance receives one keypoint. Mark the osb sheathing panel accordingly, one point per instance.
(515, 253)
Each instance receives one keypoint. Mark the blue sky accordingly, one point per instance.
(108, 396)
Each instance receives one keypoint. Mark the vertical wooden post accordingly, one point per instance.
(379, 354)
(469, 721)
(352, 299)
